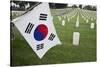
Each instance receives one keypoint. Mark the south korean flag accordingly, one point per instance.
(37, 27)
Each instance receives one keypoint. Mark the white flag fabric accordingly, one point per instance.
(37, 28)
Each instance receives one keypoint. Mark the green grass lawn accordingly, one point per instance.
(22, 54)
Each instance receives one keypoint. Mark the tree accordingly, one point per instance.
(94, 8)
(74, 6)
(88, 7)
(80, 6)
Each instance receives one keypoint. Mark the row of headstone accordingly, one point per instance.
(92, 25)
(63, 20)
(88, 15)
(77, 21)
(87, 19)
(72, 15)
(76, 36)
(68, 16)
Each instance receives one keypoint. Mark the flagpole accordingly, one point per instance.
(12, 20)
(31, 8)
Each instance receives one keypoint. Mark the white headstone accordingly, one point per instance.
(68, 19)
(76, 38)
(92, 26)
(87, 21)
(77, 21)
(59, 18)
(63, 22)
(91, 19)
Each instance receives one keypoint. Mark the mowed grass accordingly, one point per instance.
(22, 54)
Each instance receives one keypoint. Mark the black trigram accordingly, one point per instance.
(43, 16)
(40, 46)
(52, 36)
(29, 28)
